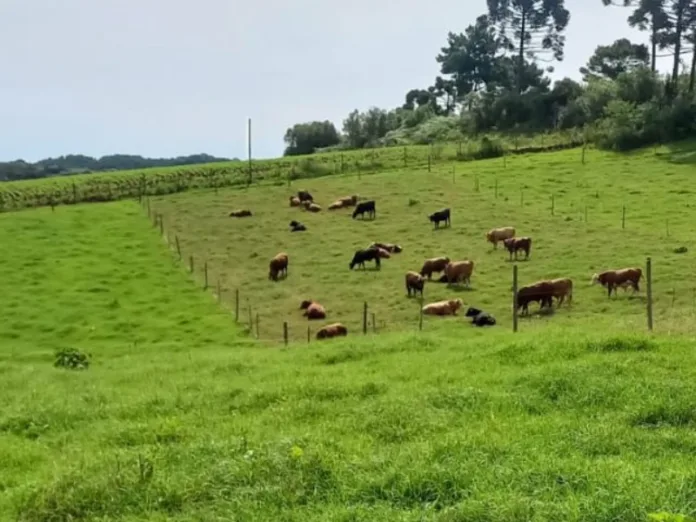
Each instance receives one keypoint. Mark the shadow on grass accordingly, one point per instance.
(679, 153)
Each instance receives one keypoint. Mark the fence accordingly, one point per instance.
(102, 187)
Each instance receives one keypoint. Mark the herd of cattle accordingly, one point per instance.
(451, 272)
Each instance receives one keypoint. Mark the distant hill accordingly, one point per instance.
(78, 164)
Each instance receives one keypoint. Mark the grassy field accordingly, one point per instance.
(110, 186)
(181, 417)
(657, 194)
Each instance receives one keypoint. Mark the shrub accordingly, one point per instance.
(71, 359)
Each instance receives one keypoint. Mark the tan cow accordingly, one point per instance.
(457, 271)
(414, 283)
(278, 265)
(515, 244)
(349, 201)
(389, 247)
(384, 254)
(611, 279)
(312, 207)
(295, 201)
(332, 330)
(562, 288)
(499, 234)
(312, 310)
(335, 205)
(435, 264)
(449, 307)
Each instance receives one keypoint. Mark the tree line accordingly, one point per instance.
(78, 164)
(494, 78)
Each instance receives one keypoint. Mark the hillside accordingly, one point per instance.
(579, 416)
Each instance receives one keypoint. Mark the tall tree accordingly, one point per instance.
(305, 138)
(608, 61)
(530, 28)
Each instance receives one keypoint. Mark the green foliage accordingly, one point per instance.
(609, 61)
(306, 138)
(71, 359)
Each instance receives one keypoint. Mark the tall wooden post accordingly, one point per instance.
(514, 298)
(648, 276)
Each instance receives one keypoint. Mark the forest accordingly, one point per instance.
(494, 78)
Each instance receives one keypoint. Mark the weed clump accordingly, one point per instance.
(72, 359)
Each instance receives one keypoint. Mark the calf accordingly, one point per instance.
(312, 310)
(278, 265)
(499, 234)
(541, 291)
(436, 264)
(459, 271)
(332, 330)
(296, 226)
(612, 279)
(440, 215)
(365, 207)
(449, 307)
(480, 318)
(368, 254)
(240, 213)
(515, 244)
(414, 283)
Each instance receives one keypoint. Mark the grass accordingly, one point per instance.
(180, 417)
(659, 216)
(110, 186)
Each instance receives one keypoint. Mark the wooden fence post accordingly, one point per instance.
(496, 188)
(251, 319)
(178, 246)
(553, 204)
(374, 323)
(583, 153)
(521, 197)
(453, 180)
(420, 311)
(648, 275)
(405, 160)
(514, 298)
(149, 212)
(429, 162)
(205, 275)
(258, 334)
(365, 317)
(623, 217)
(236, 305)
(161, 224)
(309, 333)
(285, 333)
(191, 264)
(219, 291)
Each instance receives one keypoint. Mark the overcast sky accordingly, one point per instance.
(167, 78)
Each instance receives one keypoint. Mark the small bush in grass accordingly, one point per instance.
(72, 359)
(681, 250)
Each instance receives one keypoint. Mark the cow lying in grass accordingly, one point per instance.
(296, 226)
(449, 307)
(480, 318)
(332, 330)
(240, 213)
(312, 310)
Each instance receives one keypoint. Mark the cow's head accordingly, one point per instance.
(595, 279)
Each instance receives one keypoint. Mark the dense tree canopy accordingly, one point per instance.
(305, 138)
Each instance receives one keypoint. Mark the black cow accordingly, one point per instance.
(440, 215)
(480, 318)
(369, 254)
(365, 206)
(304, 195)
(296, 226)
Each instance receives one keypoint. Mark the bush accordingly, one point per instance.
(71, 359)
(489, 148)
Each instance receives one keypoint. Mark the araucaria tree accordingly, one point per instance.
(530, 28)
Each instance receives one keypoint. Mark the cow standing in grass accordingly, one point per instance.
(612, 279)
(434, 265)
(440, 215)
(304, 195)
(414, 283)
(562, 288)
(278, 266)
(366, 207)
(312, 310)
(541, 292)
(495, 235)
(459, 271)
(368, 254)
(515, 244)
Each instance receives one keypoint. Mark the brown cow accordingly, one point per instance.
(541, 291)
(449, 307)
(312, 207)
(562, 288)
(303, 196)
(240, 213)
(278, 265)
(335, 205)
(295, 201)
(515, 244)
(332, 330)
(457, 271)
(611, 279)
(389, 247)
(499, 234)
(312, 310)
(348, 201)
(436, 264)
(384, 254)
(415, 283)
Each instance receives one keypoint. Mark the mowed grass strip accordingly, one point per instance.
(659, 211)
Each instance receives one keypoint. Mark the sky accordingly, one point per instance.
(164, 78)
